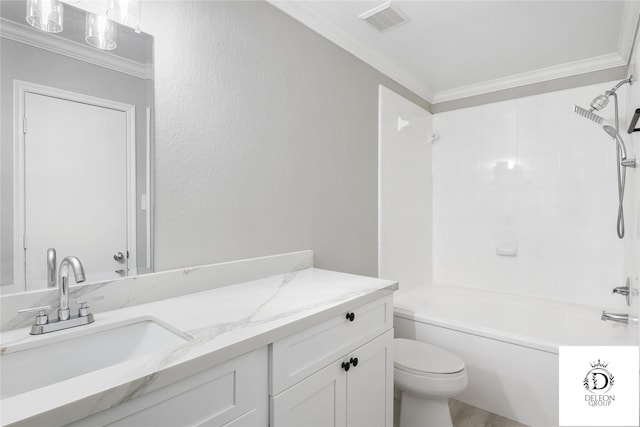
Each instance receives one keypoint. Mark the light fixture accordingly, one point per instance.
(125, 12)
(45, 15)
(100, 32)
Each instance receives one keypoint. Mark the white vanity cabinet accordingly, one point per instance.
(337, 373)
(232, 394)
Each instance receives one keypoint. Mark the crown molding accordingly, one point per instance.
(628, 27)
(22, 34)
(532, 77)
(305, 13)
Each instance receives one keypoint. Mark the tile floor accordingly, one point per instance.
(464, 415)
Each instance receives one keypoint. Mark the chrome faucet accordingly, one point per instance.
(63, 283)
(42, 324)
(619, 317)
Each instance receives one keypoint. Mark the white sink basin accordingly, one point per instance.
(81, 352)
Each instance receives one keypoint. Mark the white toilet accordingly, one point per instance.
(427, 376)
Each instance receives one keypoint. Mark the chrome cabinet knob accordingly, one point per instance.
(118, 256)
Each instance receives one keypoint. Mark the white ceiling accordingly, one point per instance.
(454, 49)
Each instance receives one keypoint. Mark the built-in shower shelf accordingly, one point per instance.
(634, 122)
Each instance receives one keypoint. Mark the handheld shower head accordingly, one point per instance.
(622, 163)
(613, 133)
(610, 130)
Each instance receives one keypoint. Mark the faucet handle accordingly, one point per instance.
(84, 301)
(626, 290)
(42, 318)
(622, 290)
(83, 310)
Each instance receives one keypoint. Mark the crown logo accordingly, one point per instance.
(599, 364)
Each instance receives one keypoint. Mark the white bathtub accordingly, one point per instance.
(509, 343)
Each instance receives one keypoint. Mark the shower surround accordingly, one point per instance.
(530, 177)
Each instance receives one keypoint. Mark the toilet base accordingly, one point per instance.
(417, 411)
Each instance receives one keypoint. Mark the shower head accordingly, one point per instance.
(599, 102)
(613, 133)
(610, 130)
(588, 114)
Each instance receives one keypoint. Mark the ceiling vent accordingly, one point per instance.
(384, 17)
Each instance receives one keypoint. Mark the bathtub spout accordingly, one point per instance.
(618, 317)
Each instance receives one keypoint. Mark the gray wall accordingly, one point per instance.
(23, 62)
(266, 138)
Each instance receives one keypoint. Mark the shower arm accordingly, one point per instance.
(616, 87)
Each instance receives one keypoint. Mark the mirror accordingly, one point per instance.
(76, 157)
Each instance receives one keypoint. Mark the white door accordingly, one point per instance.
(75, 185)
(317, 401)
(370, 384)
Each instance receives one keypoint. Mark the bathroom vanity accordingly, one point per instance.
(301, 346)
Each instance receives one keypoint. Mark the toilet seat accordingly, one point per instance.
(427, 375)
(430, 386)
(419, 358)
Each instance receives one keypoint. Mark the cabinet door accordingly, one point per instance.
(300, 355)
(370, 384)
(317, 401)
(213, 397)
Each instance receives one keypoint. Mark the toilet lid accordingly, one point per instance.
(422, 357)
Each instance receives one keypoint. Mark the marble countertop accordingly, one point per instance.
(220, 324)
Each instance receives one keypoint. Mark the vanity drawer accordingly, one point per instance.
(298, 356)
(232, 393)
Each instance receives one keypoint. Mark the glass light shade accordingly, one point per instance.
(45, 15)
(100, 32)
(126, 12)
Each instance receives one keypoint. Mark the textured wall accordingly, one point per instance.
(266, 138)
(529, 172)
